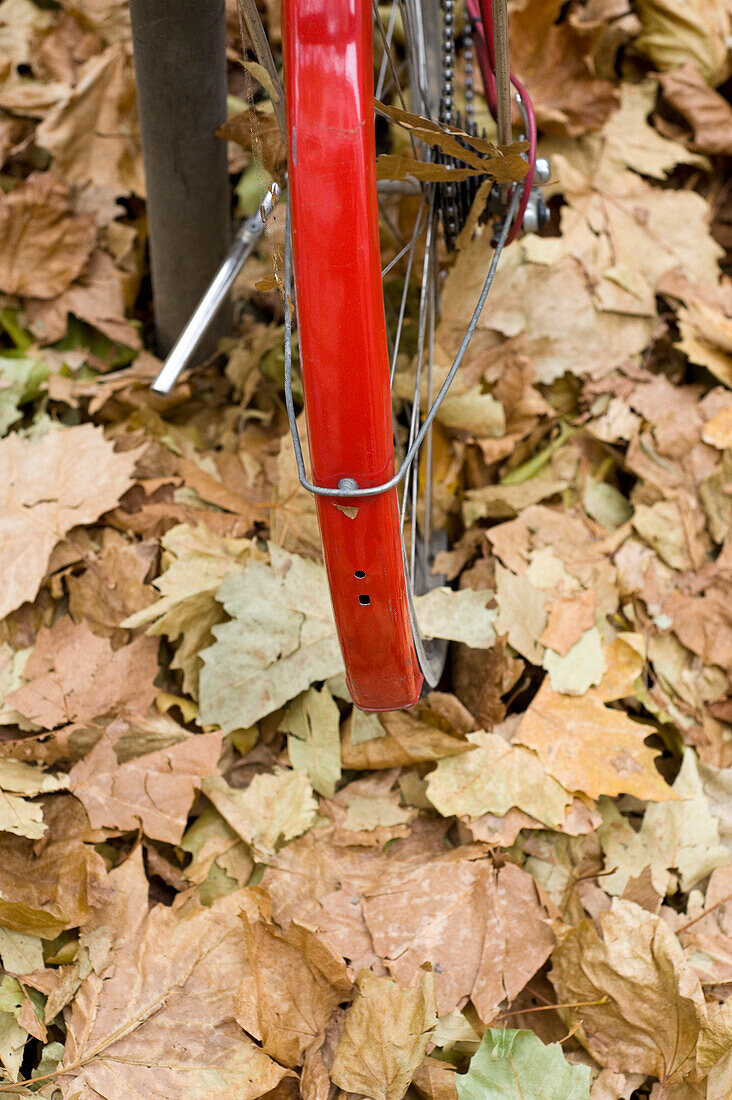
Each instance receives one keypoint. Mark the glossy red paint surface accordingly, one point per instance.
(342, 337)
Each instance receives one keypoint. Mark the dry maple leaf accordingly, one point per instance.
(96, 296)
(159, 1020)
(273, 808)
(73, 675)
(153, 791)
(43, 244)
(591, 748)
(280, 639)
(642, 1008)
(67, 477)
(493, 778)
(499, 942)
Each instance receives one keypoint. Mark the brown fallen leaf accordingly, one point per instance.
(112, 587)
(707, 112)
(154, 791)
(567, 620)
(294, 984)
(257, 130)
(553, 58)
(435, 1080)
(92, 134)
(648, 1010)
(73, 675)
(159, 1019)
(45, 893)
(97, 297)
(385, 1037)
(407, 741)
(500, 941)
(43, 244)
(63, 479)
(591, 748)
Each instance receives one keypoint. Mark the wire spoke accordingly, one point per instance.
(387, 48)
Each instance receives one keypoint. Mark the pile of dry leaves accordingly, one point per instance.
(218, 879)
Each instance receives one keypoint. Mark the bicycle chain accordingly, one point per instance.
(447, 192)
(454, 200)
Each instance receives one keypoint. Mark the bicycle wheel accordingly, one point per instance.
(346, 367)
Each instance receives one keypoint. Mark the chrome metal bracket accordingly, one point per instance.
(246, 238)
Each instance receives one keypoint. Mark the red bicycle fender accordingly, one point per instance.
(342, 337)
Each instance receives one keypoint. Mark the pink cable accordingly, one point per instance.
(481, 13)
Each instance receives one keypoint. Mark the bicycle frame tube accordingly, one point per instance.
(342, 338)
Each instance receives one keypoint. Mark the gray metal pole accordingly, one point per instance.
(180, 65)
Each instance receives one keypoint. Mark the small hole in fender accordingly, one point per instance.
(364, 600)
(359, 574)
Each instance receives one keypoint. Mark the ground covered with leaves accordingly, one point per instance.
(217, 878)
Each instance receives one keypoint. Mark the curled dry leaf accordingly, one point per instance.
(707, 112)
(648, 1009)
(92, 133)
(385, 1037)
(43, 244)
(58, 888)
(18, 781)
(672, 35)
(408, 741)
(294, 984)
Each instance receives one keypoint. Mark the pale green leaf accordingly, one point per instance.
(458, 616)
(271, 810)
(516, 1065)
(685, 834)
(281, 639)
(20, 952)
(580, 668)
(314, 743)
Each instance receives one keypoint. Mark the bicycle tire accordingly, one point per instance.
(328, 64)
